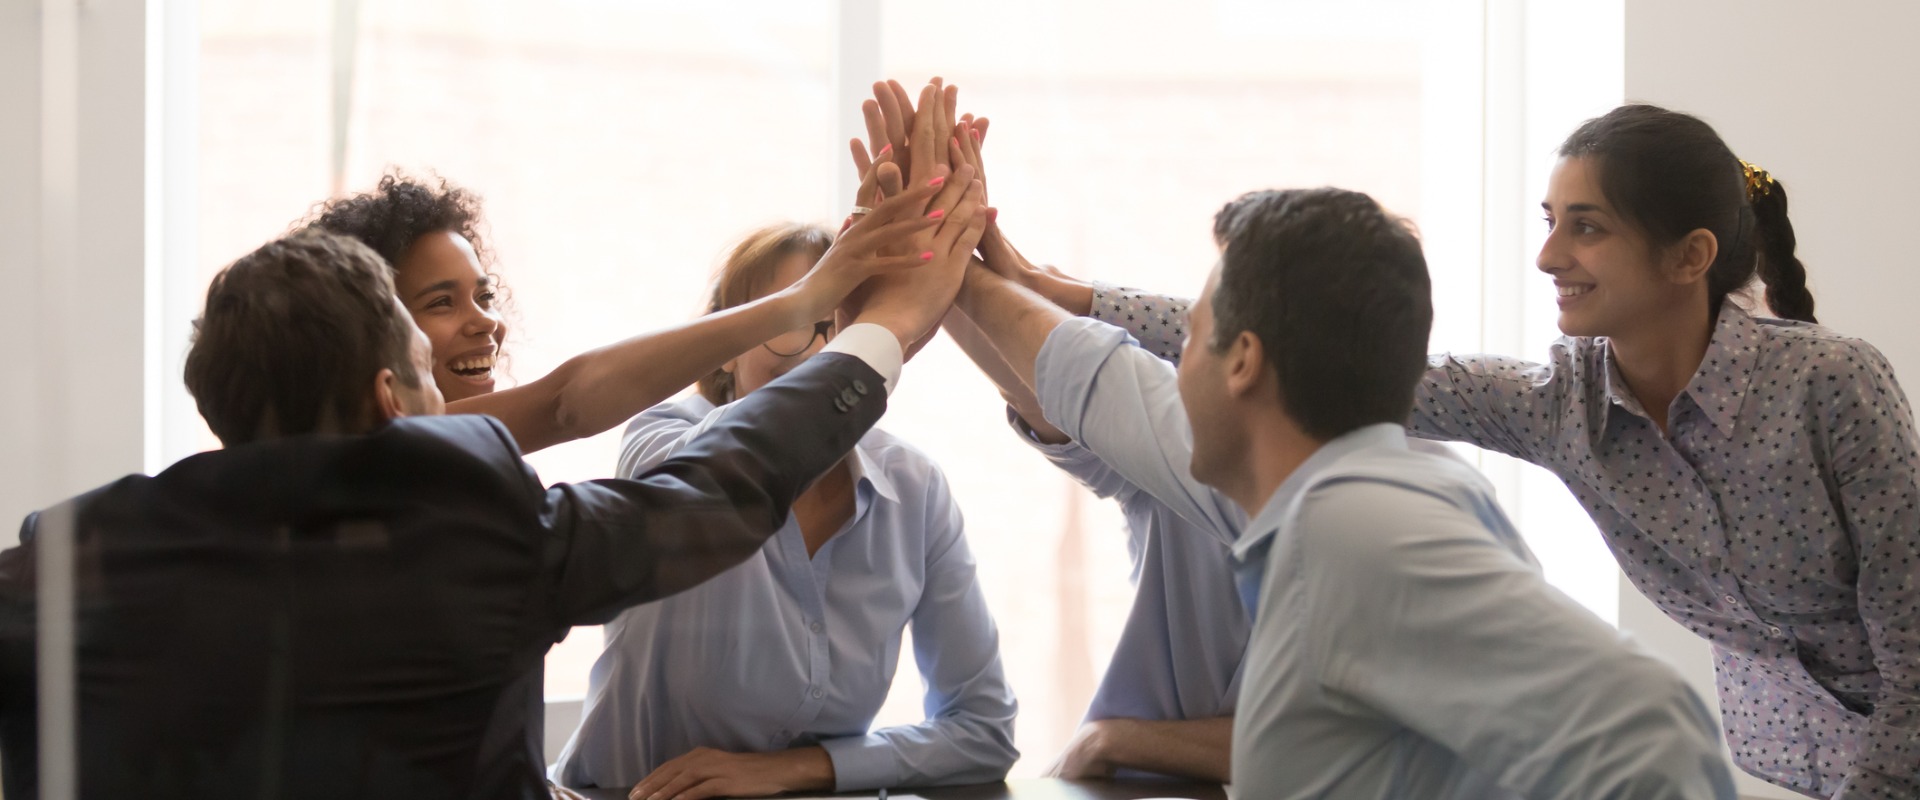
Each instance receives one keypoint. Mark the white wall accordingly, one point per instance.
(72, 412)
(1821, 94)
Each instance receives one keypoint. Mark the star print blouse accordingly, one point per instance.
(1778, 520)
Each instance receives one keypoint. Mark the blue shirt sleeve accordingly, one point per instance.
(1123, 405)
(968, 733)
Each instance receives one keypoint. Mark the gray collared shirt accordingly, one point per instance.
(1405, 643)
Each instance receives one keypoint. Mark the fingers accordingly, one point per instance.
(961, 230)
(980, 130)
(650, 785)
(862, 165)
(950, 102)
(681, 782)
(876, 124)
(869, 191)
(923, 137)
(895, 111)
(710, 788)
(890, 179)
(953, 188)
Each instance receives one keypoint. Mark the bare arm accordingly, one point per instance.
(1191, 748)
(1015, 320)
(604, 387)
(1018, 395)
(599, 389)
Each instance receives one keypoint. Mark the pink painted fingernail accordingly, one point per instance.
(992, 214)
(926, 256)
(936, 214)
(935, 183)
(976, 134)
(886, 149)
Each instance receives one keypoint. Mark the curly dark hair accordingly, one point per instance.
(399, 211)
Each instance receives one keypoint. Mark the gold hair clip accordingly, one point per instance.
(1759, 181)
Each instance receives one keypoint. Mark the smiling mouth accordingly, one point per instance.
(473, 368)
(1574, 290)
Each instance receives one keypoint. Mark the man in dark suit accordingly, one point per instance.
(354, 598)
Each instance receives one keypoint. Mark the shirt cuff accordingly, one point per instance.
(861, 763)
(873, 344)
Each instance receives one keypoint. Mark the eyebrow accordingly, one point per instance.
(447, 286)
(1578, 208)
(443, 286)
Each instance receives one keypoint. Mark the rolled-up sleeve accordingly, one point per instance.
(1123, 405)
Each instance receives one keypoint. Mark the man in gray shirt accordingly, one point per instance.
(1405, 644)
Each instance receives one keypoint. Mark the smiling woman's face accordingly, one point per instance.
(1606, 276)
(443, 286)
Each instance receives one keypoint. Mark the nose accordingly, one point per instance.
(1554, 256)
(481, 322)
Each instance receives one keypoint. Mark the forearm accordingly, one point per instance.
(601, 388)
(1015, 320)
(1018, 395)
(1192, 748)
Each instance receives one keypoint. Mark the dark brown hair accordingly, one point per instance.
(292, 337)
(1336, 289)
(1670, 174)
(744, 275)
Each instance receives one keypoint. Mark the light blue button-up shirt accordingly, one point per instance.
(1179, 654)
(785, 651)
(1405, 643)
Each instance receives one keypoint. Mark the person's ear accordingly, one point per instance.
(1246, 363)
(386, 396)
(1693, 256)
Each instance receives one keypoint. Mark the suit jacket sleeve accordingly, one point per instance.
(617, 543)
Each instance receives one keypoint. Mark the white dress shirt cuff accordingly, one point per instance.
(873, 344)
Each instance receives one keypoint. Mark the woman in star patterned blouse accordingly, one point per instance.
(1754, 476)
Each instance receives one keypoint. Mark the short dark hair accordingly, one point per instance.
(292, 336)
(1336, 289)
(1670, 174)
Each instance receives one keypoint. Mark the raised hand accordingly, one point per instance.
(893, 239)
(912, 304)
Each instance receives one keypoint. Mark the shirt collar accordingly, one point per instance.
(1722, 379)
(1280, 506)
(869, 476)
(1727, 369)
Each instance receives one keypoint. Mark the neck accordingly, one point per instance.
(1659, 359)
(1275, 451)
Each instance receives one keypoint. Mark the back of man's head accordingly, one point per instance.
(1336, 289)
(293, 338)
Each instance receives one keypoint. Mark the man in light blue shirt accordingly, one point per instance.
(1405, 644)
(1165, 704)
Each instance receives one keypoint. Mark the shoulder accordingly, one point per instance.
(1379, 512)
(1816, 347)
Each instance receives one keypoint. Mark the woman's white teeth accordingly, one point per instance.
(1574, 291)
(472, 366)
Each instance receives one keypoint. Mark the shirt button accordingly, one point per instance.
(1731, 600)
(1775, 630)
(819, 693)
(815, 627)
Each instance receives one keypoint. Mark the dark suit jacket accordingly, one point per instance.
(366, 616)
